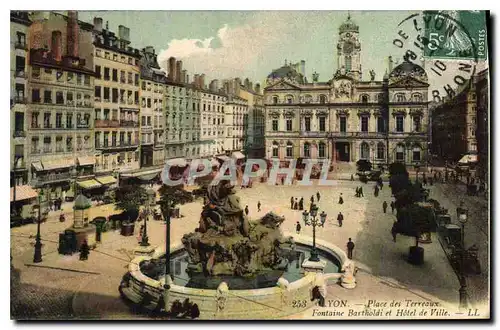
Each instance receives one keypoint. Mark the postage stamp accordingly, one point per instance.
(199, 171)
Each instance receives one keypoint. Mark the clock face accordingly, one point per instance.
(348, 47)
(348, 35)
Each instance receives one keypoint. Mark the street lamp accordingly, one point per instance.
(463, 285)
(150, 200)
(310, 219)
(38, 241)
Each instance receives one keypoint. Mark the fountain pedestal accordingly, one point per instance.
(144, 250)
(314, 266)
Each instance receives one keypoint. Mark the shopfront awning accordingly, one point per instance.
(58, 163)
(238, 155)
(468, 159)
(143, 175)
(224, 158)
(181, 162)
(108, 179)
(86, 161)
(89, 184)
(23, 193)
(37, 166)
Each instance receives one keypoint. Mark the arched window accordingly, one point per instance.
(348, 63)
(400, 97)
(308, 98)
(289, 99)
(400, 153)
(307, 150)
(321, 149)
(275, 100)
(289, 149)
(364, 98)
(365, 151)
(322, 99)
(417, 97)
(275, 149)
(380, 150)
(416, 153)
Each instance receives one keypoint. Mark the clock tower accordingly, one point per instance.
(349, 49)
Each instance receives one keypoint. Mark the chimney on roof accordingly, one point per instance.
(196, 81)
(202, 81)
(183, 77)
(171, 69)
(98, 24)
(56, 45)
(72, 33)
(178, 71)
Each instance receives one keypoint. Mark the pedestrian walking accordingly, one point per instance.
(341, 200)
(258, 206)
(357, 192)
(318, 196)
(298, 227)
(375, 193)
(361, 192)
(84, 250)
(246, 209)
(291, 202)
(393, 206)
(301, 204)
(384, 206)
(394, 232)
(340, 218)
(350, 247)
(323, 220)
(312, 199)
(296, 206)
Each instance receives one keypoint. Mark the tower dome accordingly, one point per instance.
(348, 26)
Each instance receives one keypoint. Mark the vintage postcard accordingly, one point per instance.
(250, 165)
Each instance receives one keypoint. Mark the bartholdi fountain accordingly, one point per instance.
(230, 265)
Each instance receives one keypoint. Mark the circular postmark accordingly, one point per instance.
(445, 48)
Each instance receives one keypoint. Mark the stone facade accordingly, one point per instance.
(60, 101)
(347, 118)
(117, 97)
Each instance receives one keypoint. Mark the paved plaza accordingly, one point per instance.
(65, 287)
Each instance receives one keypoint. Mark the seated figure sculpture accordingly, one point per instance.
(227, 243)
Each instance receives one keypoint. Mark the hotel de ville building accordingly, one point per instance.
(348, 118)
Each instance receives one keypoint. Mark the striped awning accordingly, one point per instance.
(22, 193)
(181, 162)
(37, 166)
(238, 155)
(89, 184)
(58, 163)
(86, 161)
(108, 179)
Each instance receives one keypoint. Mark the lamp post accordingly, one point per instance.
(463, 284)
(150, 199)
(310, 219)
(38, 241)
(16, 160)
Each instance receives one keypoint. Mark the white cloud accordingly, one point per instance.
(239, 50)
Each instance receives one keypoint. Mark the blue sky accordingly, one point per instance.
(225, 44)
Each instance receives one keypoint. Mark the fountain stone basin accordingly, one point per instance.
(268, 301)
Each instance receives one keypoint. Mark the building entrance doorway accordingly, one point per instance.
(342, 152)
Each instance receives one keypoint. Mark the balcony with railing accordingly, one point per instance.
(20, 99)
(52, 177)
(129, 123)
(83, 125)
(20, 45)
(20, 74)
(19, 133)
(105, 123)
